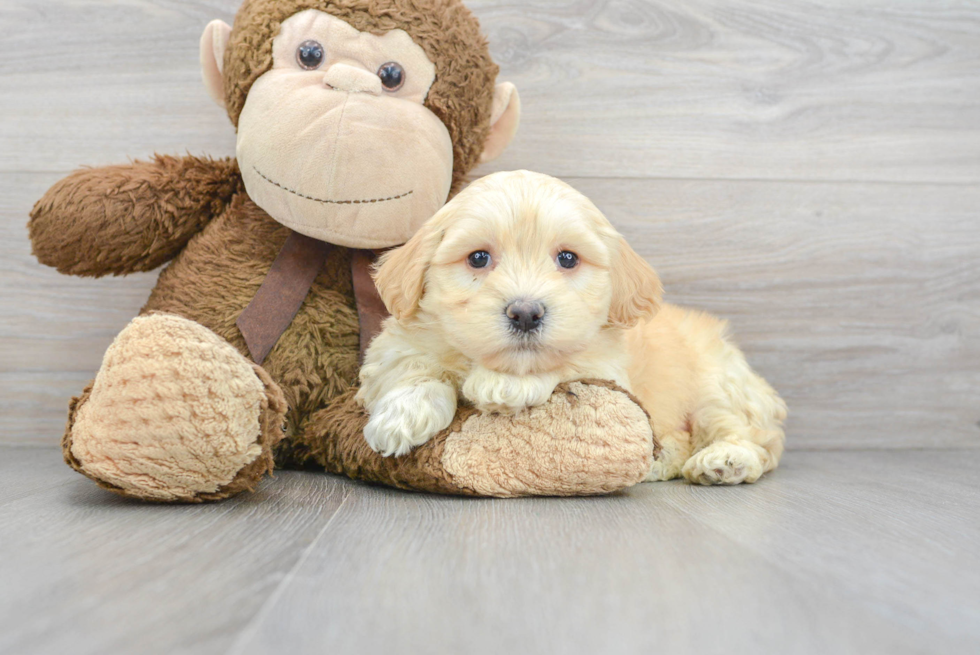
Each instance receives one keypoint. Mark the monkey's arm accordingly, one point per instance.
(124, 219)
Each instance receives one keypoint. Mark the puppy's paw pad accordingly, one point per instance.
(408, 417)
(723, 463)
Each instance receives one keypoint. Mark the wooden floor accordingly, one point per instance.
(859, 552)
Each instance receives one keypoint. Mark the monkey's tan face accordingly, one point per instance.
(335, 142)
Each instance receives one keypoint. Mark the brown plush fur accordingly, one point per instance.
(462, 95)
(334, 440)
(126, 219)
(217, 275)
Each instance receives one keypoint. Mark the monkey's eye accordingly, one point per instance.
(479, 259)
(392, 76)
(309, 55)
(567, 259)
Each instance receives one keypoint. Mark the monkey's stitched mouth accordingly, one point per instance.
(329, 202)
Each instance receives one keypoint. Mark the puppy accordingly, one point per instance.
(520, 283)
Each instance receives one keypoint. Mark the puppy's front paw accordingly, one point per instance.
(410, 416)
(724, 462)
(490, 391)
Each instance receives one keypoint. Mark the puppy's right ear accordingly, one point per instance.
(400, 273)
(637, 291)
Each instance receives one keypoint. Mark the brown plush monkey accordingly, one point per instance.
(356, 120)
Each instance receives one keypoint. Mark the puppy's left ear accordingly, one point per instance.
(400, 273)
(637, 291)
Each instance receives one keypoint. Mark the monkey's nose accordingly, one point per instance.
(352, 79)
(525, 316)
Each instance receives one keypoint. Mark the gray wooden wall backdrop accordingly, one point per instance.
(810, 170)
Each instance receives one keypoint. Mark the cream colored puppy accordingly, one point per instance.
(520, 283)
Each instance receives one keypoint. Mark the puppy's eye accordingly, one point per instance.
(567, 259)
(479, 259)
(309, 55)
(392, 76)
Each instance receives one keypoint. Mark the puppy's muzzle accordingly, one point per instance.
(525, 316)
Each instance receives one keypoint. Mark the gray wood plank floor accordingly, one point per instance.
(858, 552)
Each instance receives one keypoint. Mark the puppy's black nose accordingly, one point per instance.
(525, 316)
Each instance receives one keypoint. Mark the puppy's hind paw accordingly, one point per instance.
(675, 450)
(410, 416)
(724, 462)
(662, 469)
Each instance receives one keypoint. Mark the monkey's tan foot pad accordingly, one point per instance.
(175, 414)
(590, 438)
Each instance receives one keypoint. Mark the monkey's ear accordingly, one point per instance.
(504, 119)
(213, 44)
(637, 291)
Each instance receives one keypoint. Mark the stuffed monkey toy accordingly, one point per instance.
(356, 120)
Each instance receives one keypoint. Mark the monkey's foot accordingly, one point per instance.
(589, 438)
(175, 414)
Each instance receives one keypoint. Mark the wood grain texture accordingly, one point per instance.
(859, 300)
(838, 553)
(769, 89)
(876, 525)
(861, 552)
(126, 83)
(867, 321)
(85, 571)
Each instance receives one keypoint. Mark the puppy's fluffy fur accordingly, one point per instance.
(450, 333)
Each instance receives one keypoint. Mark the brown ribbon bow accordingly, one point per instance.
(289, 281)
